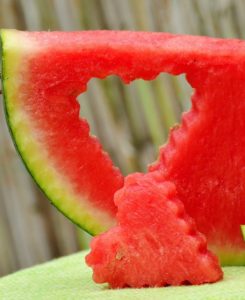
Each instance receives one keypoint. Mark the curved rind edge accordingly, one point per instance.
(89, 224)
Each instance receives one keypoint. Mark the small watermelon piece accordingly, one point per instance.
(155, 242)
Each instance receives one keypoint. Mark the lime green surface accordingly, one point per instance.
(69, 278)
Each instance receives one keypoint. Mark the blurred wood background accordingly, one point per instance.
(131, 121)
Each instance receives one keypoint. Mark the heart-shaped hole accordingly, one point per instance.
(133, 120)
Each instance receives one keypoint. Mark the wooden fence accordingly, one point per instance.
(131, 121)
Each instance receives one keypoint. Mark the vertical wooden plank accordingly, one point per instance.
(67, 15)
(8, 260)
(25, 225)
(239, 8)
(31, 14)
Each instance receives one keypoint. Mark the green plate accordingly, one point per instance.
(69, 278)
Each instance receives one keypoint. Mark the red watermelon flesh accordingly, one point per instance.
(44, 72)
(205, 157)
(155, 243)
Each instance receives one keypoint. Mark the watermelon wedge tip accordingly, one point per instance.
(155, 242)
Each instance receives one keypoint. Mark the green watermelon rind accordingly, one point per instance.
(87, 221)
(229, 258)
(7, 117)
(243, 231)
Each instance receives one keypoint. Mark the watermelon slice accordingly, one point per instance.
(44, 72)
(155, 243)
